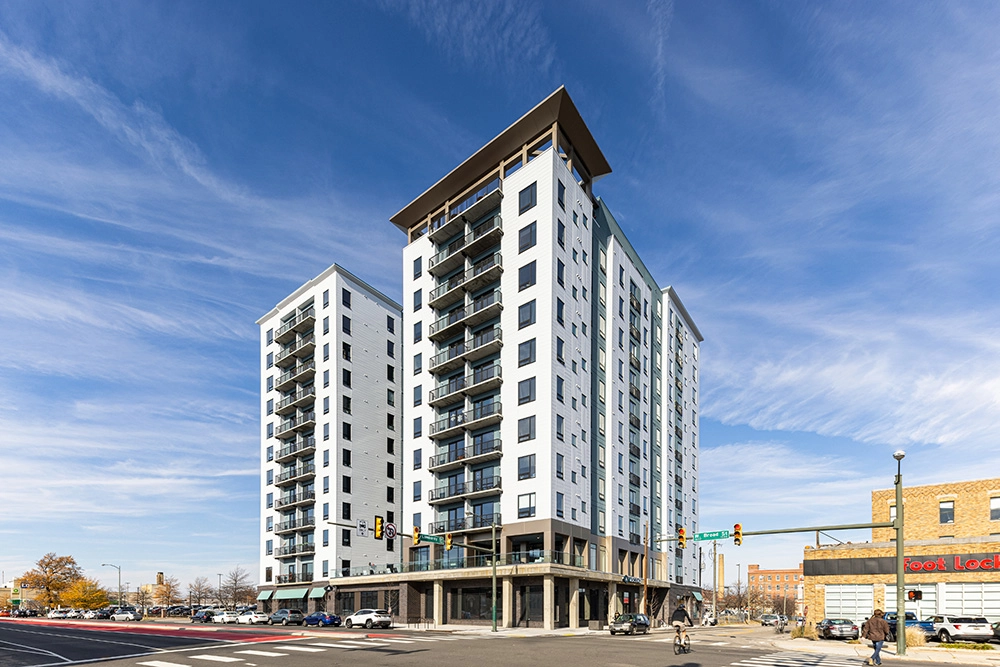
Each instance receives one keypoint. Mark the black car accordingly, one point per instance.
(630, 624)
(203, 616)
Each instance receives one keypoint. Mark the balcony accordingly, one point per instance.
(634, 479)
(678, 504)
(301, 372)
(634, 361)
(293, 578)
(634, 421)
(483, 344)
(635, 451)
(482, 237)
(448, 360)
(447, 260)
(296, 499)
(448, 293)
(483, 415)
(484, 272)
(305, 421)
(293, 525)
(484, 308)
(476, 522)
(678, 481)
(303, 321)
(678, 456)
(294, 549)
(634, 538)
(298, 448)
(633, 301)
(456, 458)
(289, 403)
(445, 226)
(484, 378)
(443, 493)
(446, 392)
(678, 409)
(291, 476)
(449, 325)
(678, 432)
(634, 391)
(633, 509)
(304, 347)
(635, 333)
(478, 203)
(472, 489)
(680, 362)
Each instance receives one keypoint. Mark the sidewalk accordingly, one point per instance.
(929, 653)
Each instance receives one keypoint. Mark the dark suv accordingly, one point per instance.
(286, 616)
(203, 616)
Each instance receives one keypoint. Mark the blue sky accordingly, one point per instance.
(817, 181)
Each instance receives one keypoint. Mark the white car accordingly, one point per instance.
(948, 628)
(126, 614)
(58, 613)
(369, 618)
(74, 613)
(251, 617)
(225, 617)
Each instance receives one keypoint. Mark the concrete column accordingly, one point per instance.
(508, 602)
(574, 603)
(438, 602)
(549, 601)
(612, 600)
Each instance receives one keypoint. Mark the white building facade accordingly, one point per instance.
(331, 419)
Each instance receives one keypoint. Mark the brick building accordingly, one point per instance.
(767, 584)
(952, 551)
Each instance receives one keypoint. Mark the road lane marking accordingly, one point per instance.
(287, 647)
(217, 658)
(395, 641)
(161, 663)
(264, 654)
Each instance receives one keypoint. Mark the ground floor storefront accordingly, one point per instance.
(959, 577)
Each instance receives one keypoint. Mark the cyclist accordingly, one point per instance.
(679, 618)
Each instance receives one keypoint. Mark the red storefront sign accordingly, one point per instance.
(952, 563)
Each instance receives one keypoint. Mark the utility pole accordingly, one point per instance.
(900, 569)
(645, 571)
(715, 580)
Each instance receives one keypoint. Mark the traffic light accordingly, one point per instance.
(416, 535)
(447, 542)
(681, 538)
(379, 527)
(914, 595)
(738, 534)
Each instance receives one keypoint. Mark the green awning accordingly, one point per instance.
(264, 595)
(317, 593)
(697, 595)
(290, 593)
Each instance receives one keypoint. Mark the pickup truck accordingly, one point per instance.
(911, 622)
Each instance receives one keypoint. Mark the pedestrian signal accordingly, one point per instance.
(681, 538)
(738, 534)
(447, 542)
(914, 595)
(416, 535)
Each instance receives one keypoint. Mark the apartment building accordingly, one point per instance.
(951, 540)
(549, 391)
(331, 422)
(765, 586)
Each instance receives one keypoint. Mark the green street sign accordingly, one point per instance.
(714, 535)
(432, 539)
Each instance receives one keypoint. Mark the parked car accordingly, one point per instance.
(127, 614)
(251, 617)
(911, 622)
(203, 616)
(996, 631)
(369, 618)
(286, 616)
(769, 619)
(837, 628)
(58, 613)
(962, 627)
(319, 618)
(630, 624)
(225, 617)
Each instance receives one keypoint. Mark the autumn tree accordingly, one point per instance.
(85, 593)
(52, 575)
(200, 590)
(169, 592)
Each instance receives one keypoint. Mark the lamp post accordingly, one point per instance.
(739, 592)
(219, 591)
(900, 569)
(117, 567)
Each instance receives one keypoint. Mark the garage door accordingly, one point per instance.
(923, 608)
(850, 601)
(973, 599)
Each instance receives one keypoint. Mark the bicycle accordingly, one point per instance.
(682, 642)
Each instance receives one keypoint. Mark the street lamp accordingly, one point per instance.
(739, 592)
(900, 569)
(220, 589)
(117, 567)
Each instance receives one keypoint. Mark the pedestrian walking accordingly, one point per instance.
(875, 630)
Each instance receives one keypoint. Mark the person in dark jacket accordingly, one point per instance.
(679, 618)
(875, 630)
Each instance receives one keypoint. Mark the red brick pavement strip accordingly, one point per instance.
(220, 634)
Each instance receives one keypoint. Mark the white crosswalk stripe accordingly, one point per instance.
(264, 654)
(796, 659)
(161, 663)
(216, 658)
(304, 649)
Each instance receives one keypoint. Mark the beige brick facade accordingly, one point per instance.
(964, 550)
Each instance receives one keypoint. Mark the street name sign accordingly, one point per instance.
(431, 539)
(714, 535)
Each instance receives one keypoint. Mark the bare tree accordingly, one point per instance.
(169, 592)
(200, 590)
(52, 574)
(236, 587)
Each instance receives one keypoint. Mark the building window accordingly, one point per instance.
(346, 351)
(525, 505)
(345, 404)
(526, 353)
(326, 431)
(270, 359)
(345, 378)
(268, 548)
(390, 372)
(417, 267)
(526, 276)
(995, 509)
(326, 511)
(559, 466)
(418, 394)
(326, 537)
(326, 458)
(390, 324)
(270, 406)
(345, 511)
(346, 324)
(270, 383)
(390, 470)
(525, 391)
(526, 467)
(560, 272)
(346, 484)
(326, 324)
(345, 537)
(326, 352)
(559, 388)
(418, 300)
(390, 494)
(418, 458)
(418, 489)
(559, 505)
(526, 200)
(390, 349)
(390, 422)
(526, 314)
(560, 346)
(560, 311)
(390, 397)
(946, 510)
(561, 195)
(345, 431)
(527, 237)
(418, 363)
(418, 331)
(418, 427)
(326, 298)
(526, 429)
(345, 297)
(559, 427)
(326, 484)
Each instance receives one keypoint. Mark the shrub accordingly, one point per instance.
(915, 637)
(966, 646)
(805, 632)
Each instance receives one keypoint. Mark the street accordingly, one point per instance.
(35, 645)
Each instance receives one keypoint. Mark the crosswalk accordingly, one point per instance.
(239, 653)
(798, 659)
